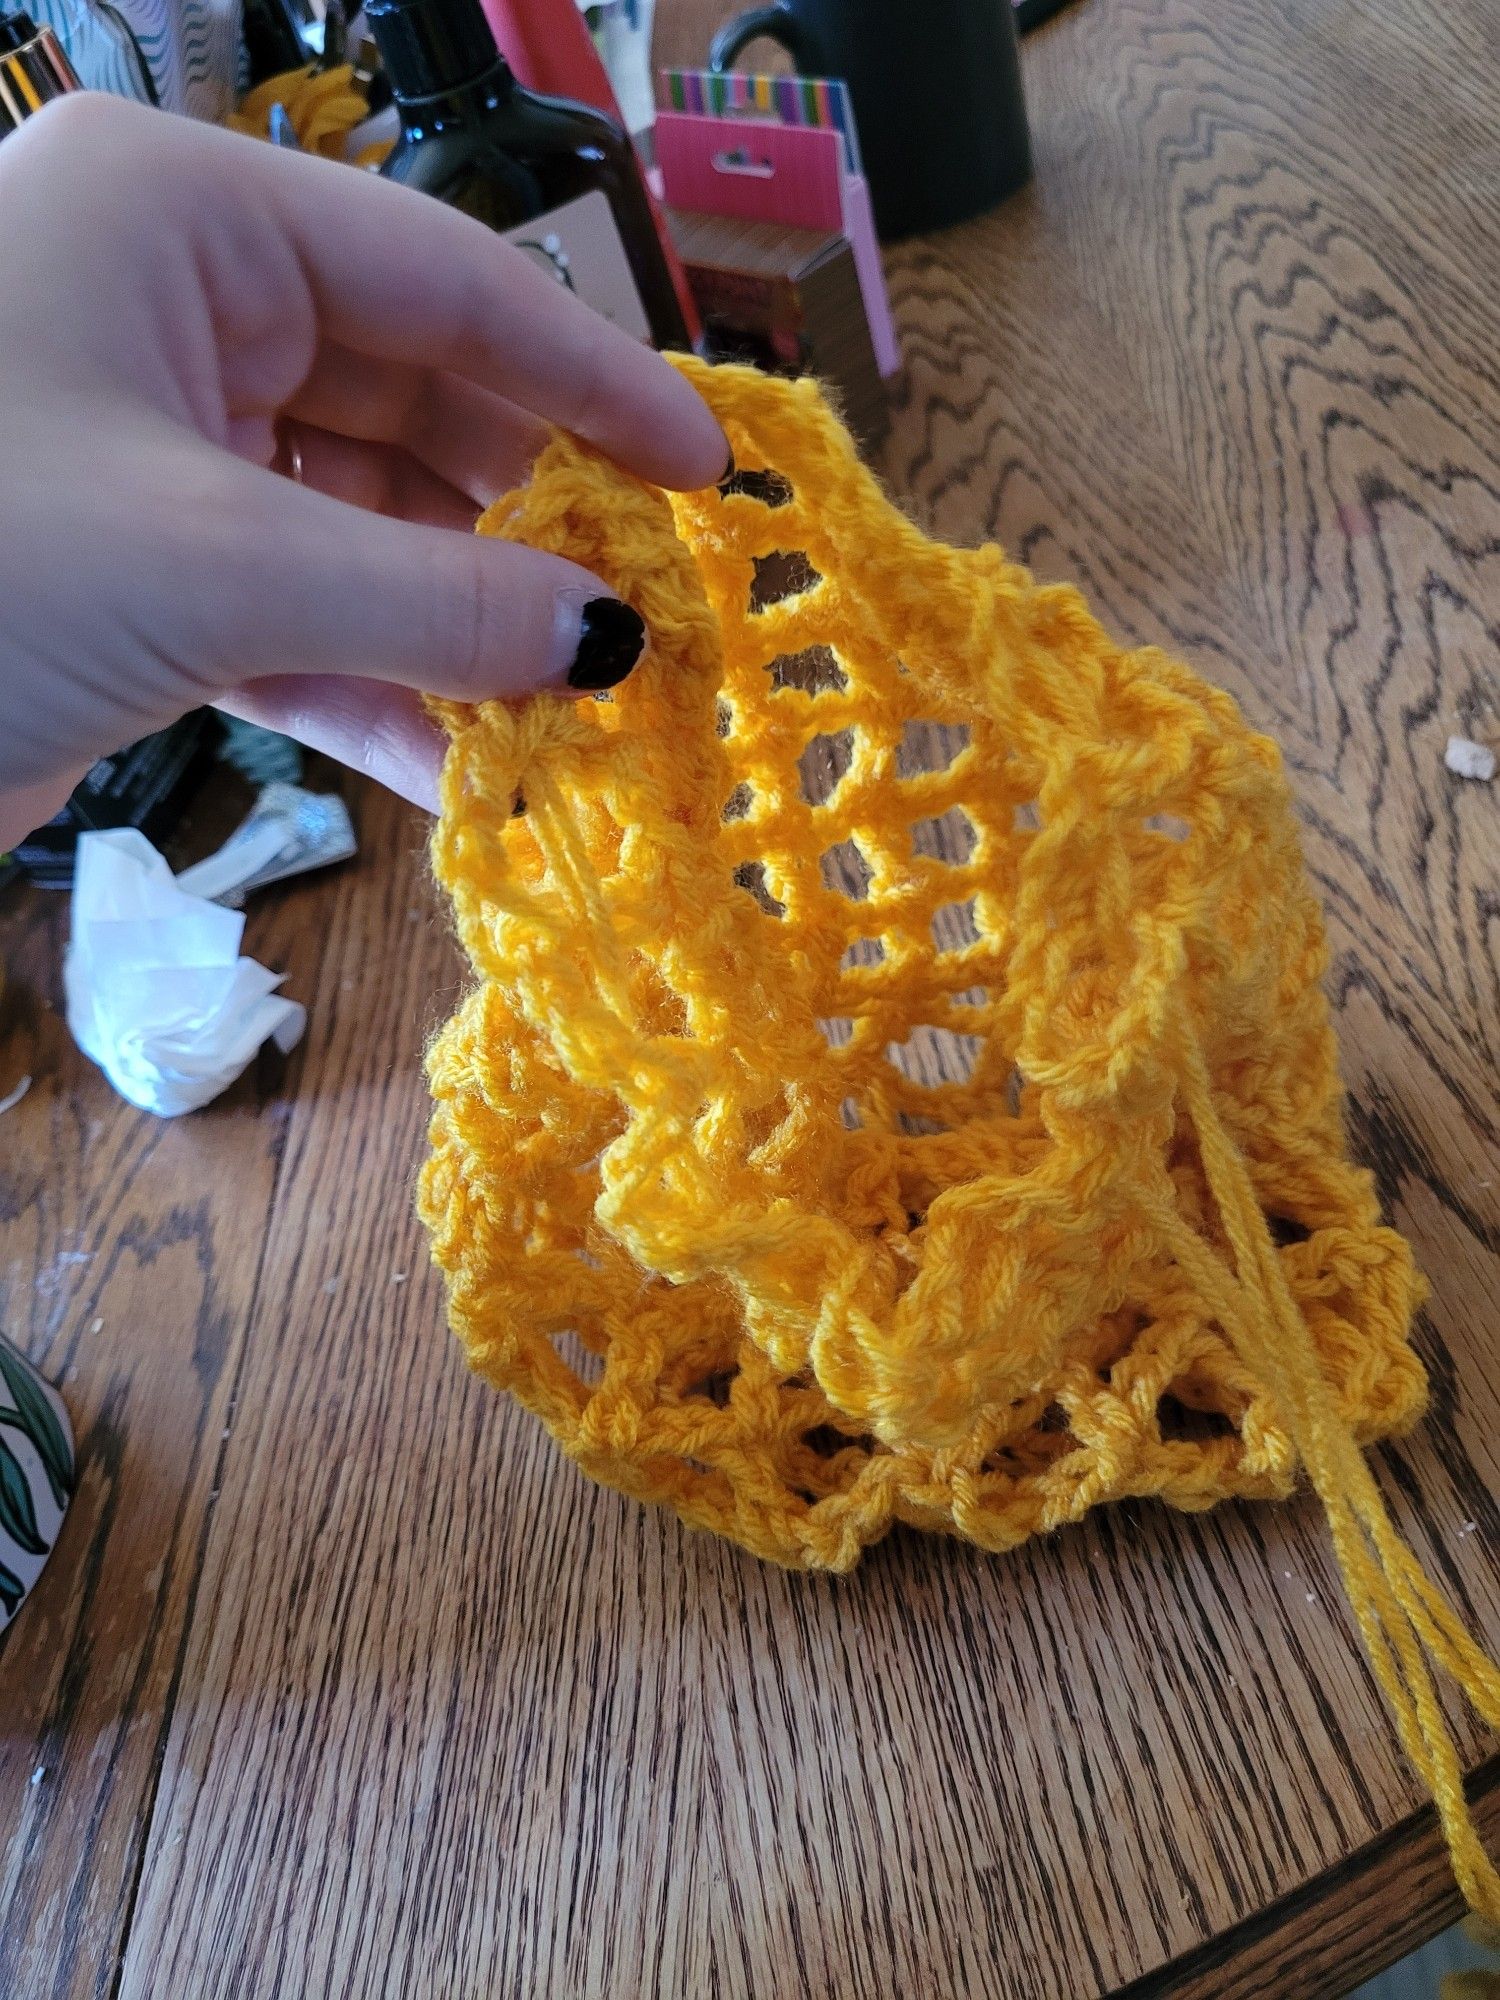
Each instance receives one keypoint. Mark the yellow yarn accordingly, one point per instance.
(324, 107)
(694, 1216)
(1478, 1984)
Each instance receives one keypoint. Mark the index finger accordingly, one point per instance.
(402, 277)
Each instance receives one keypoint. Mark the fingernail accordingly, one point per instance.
(729, 472)
(612, 637)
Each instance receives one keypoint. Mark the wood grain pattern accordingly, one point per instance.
(344, 1686)
(128, 1259)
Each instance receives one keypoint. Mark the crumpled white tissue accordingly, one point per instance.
(157, 992)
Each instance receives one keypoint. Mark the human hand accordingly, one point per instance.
(187, 316)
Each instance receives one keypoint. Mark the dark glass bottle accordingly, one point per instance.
(273, 41)
(558, 178)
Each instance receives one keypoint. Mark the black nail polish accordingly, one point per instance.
(612, 640)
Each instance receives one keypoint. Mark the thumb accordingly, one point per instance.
(314, 586)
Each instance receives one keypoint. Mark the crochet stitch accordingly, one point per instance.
(702, 1204)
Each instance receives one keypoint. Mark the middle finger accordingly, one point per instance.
(470, 438)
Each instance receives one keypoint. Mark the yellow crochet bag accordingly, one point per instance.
(897, 1085)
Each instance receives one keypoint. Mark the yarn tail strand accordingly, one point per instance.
(1403, 1620)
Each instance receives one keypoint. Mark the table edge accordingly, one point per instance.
(1320, 1921)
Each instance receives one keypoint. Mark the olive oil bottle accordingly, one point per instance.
(558, 179)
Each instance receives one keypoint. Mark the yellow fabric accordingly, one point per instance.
(693, 1213)
(1471, 1986)
(324, 106)
(1476, 1985)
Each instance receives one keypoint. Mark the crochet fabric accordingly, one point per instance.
(897, 1085)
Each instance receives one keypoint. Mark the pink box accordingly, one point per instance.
(758, 171)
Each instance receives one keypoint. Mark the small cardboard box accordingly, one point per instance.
(788, 299)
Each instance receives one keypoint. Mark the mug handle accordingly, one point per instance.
(776, 21)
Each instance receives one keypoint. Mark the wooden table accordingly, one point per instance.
(341, 1685)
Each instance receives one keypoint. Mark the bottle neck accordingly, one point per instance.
(436, 51)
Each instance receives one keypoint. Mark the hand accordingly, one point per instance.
(186, 318)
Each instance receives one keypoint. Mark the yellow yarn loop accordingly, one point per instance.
(693, 1207)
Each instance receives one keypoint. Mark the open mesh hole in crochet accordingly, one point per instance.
(582, 1359)
(1178, 1422)
(751, 875)
(1034, 1435)
(1170, 825)
(739, 802)
(760, 483)
(778, 575)
(862, 951)
(846, 870)
(714, 1388)
(930, 1055)
(954, 927)
(928, 747)
(948, 836)
(814, 670)
(824, 764)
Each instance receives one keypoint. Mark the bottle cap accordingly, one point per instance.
(430, 47)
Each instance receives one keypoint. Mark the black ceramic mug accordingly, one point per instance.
(936, 87)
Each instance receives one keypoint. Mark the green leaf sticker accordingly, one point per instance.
(17, 1512)
(39, 1421)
